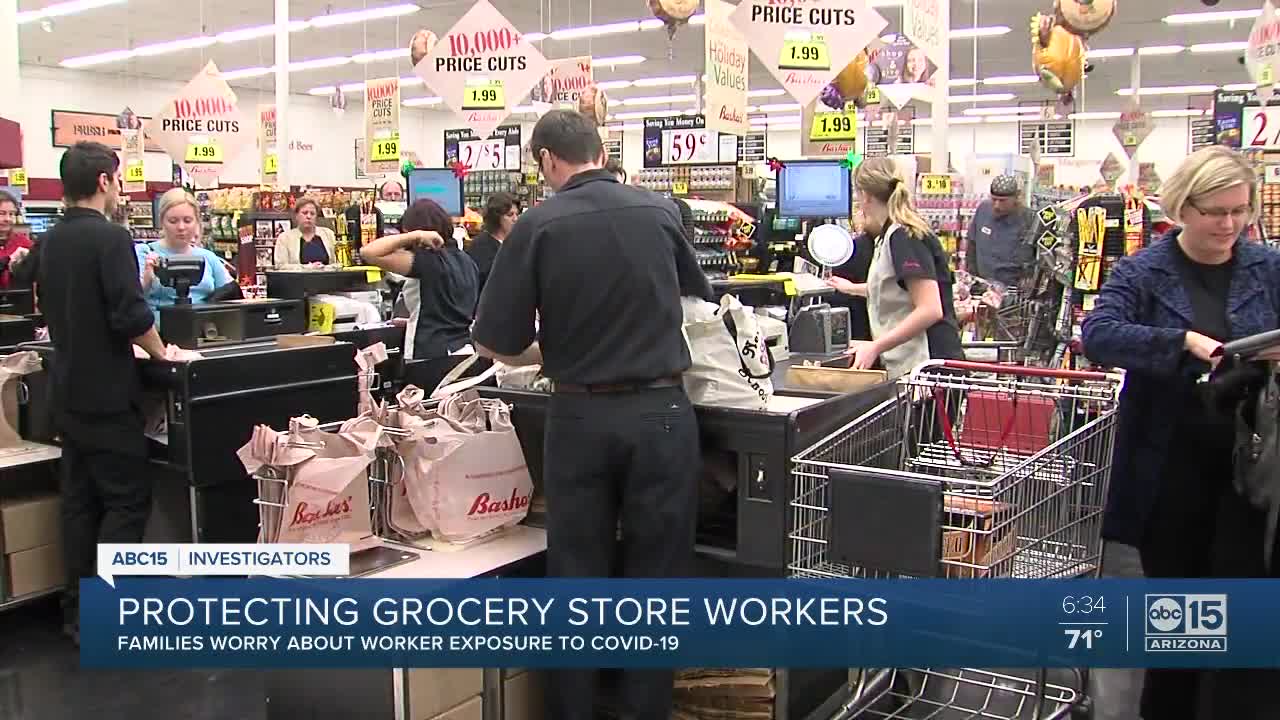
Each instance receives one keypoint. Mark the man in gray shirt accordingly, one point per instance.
(997, 245)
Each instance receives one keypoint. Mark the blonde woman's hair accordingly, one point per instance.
(174, 197)
(881, 179)
(1205, 172)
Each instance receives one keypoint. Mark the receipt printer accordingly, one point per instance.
(820, 329)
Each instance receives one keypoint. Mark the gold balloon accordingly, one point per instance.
(1057, 55)
(852, 80)
(1084, 17)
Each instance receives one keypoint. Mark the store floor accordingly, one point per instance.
(41, 679)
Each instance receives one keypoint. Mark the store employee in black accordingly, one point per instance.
(595, 275)
(91, 299)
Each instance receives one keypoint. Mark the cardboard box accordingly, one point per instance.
(522, 697)
(472, 709)
(35, 570)
(29, 522)
(434, 690)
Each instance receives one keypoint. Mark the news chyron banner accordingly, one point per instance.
(272, 621)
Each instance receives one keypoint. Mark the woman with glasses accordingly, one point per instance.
(10, 239)
(1172, 511)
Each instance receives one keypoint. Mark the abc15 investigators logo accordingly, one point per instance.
(1186, 623)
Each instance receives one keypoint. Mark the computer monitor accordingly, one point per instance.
(814, 189)
(438, 184)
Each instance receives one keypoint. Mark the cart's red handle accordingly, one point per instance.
(1004, 369)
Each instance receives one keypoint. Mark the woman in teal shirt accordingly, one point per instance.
(180, 219)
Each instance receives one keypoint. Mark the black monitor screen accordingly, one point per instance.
(440, 185)
(814, 189)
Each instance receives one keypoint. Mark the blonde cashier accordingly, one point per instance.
(908, 288)
(180, 221)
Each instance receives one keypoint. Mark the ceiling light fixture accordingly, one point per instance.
(1240, 87)
(1177, 113)
(173, 46)
(772, 92)
(979, 32)
(962, 82)
(319, 63)
(63, 9)
(1170, 90)
(660, 81)
(1094, 116)
(368, 57)
(953, 120)
(1102, 53)
(1011, 110)
(985, 97)
(1211, 17)
(357, 16)
(1160, 50)
(619, 60)
(99, 59)
(1011, 80)
(587, 31)
(1219, 47)
(642, 114)
(247, 73)
(778, 107)
(258, 31)
(658, 100)
(994, 119)
(422, 101)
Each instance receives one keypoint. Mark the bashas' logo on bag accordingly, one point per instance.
(1186, 623)
(484, 505)
(307, 515)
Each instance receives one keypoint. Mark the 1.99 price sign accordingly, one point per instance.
(690, 147)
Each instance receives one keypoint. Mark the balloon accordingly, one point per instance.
(593, 103)
(1057, 55)
(673, 12)
(1084, 17)
(420, 45)
(849, 85)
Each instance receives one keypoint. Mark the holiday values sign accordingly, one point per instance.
(726, 84)
(382, 126)
(202, 128)
(1262, 55)
(483, 68)
(806, 43)
(268, 154)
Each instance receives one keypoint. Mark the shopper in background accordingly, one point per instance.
(90, 297)
(589, 286)
(306, 243)
(500, 215)
(391, 191)
(1162, 316)
(998, 247)
(180, 221)
(448, 283)
(614, 167)
(10, 239)
(909, 302)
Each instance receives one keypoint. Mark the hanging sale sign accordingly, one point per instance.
(901, 71)
(267, 151)
(1111, 169)
(806, 44)
(382, 126)
(726, 84)
(202, 128)
(1262, 55)
(924, 25)
(564, 83)
(826, 133)
(131, 141)
(1132, 129)
(482, 68)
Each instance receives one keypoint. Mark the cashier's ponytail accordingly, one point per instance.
(881, 179)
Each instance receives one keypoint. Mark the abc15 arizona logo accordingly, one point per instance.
(1186, 623)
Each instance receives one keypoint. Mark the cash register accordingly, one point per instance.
(227, 317)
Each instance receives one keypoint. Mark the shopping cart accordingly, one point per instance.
(1021, 460)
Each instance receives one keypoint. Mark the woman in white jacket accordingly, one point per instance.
(306, 243)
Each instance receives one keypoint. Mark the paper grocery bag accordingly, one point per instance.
(270, 458)
(328, 496)
(12, 368)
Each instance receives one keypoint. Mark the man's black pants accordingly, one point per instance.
(106, 497)
(632, 456)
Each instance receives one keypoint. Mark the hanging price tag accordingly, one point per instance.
(835, 126)
(935, 184)
(271, 164)
(133, 173)
(873, 95)
(204, 153)
(680, 187)
(387, 150)
(488, 96)
(1266, 76)
(18, 177)
(810, 54)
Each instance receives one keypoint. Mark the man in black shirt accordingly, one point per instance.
(602, 268)
(87, 276)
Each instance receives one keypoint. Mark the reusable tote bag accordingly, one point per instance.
(732, 365)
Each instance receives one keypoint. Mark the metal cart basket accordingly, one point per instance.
(1021, 458)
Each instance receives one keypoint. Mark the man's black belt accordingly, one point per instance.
(618, 387)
